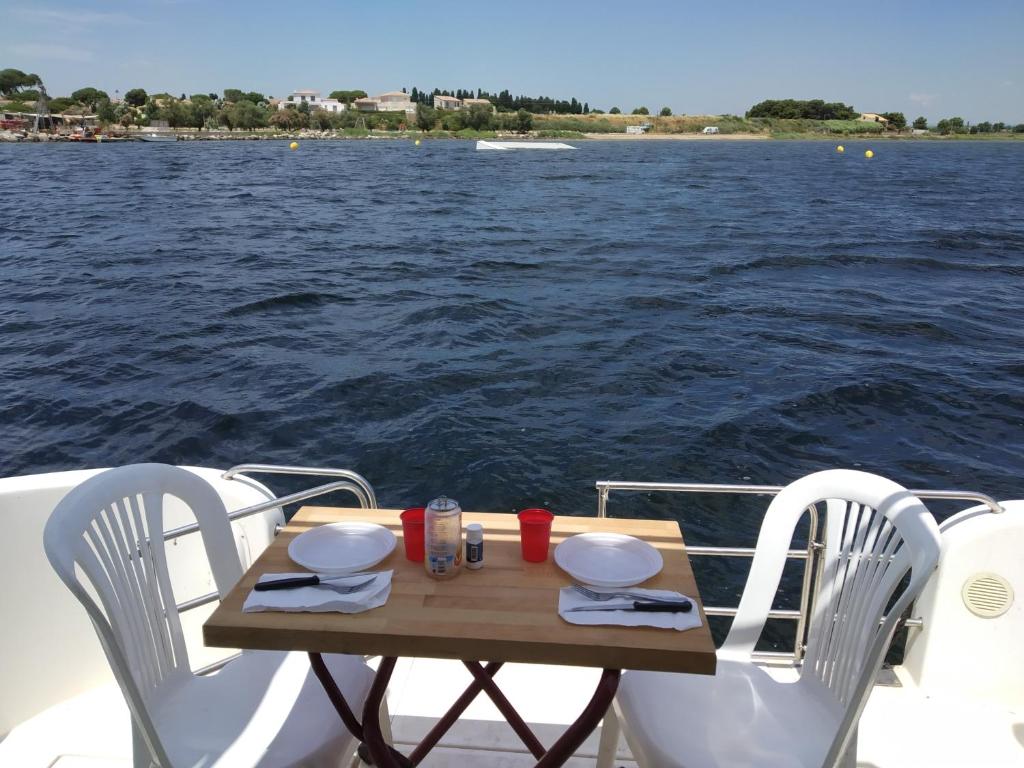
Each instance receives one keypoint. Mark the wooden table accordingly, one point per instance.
(504, 612)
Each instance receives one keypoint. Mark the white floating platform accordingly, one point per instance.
(502, 145)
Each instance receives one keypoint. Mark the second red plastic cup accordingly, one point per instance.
(535, 534)
(412, 533)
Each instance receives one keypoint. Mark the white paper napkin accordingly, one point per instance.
(570, 598)
(321, 597)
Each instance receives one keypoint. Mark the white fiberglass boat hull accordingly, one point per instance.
(504, 145)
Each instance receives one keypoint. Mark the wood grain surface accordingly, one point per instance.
(505, 611)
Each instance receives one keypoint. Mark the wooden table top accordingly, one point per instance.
(505, 611)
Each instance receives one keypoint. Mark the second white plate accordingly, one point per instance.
(338, 548)
(608, 559)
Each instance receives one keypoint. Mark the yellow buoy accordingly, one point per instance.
(294, 145)
(417, 142)
(840, 149)
(869, 154)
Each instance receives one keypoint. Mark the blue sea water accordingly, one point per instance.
(508, 328)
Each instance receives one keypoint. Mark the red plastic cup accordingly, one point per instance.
(535, 534)
(412, 533)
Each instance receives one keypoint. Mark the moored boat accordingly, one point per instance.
(508, 145)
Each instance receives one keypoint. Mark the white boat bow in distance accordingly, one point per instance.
(503, 145)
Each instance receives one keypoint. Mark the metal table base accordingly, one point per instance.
(375, 751)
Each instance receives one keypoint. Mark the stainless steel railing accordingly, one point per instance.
(813, 565)
(354, 483)
(274, 469)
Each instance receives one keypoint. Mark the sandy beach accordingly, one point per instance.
(678, 136)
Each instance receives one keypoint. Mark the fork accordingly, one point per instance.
(602, 596)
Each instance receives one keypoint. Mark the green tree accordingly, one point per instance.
(28, 94)
(921, 123)
(998, 127)
(247, 116)
(951, 125)
(254, 97)
(480, 117)
(89, 97)
(665, 112)
(320, 119)
(60, 103)
(289, 119)
(152, 109)
(1018, 128)
(896, 120)
(203, 109)
(641, 111)
(793, 109)
(454, 120)
(136, 97)
(524, 120)
(233, 95)
(614, 111)
(426, 117)
(347, 96)
(105, 112)
(14, 80)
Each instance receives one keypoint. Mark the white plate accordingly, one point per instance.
(338, 548)
(608, 559)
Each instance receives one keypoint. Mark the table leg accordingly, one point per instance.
(349, 719)
(448, 720)
(334, 694)
(585, 724)
(505, 707)
(385, 756)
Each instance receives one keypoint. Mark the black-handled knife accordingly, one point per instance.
(682, 606)
(307, 581)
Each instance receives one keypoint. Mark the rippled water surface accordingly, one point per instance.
(510, 327)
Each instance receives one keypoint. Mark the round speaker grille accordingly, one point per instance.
(987, 595)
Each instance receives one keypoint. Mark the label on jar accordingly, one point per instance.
(474, 554)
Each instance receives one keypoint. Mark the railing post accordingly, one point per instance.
(799, 645)
(602, 500)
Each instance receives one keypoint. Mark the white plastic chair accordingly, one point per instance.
(263, 708)
(747, 716)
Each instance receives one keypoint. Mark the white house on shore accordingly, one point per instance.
(313, 99)
(453, 103)
(392, 101)
(447, 103)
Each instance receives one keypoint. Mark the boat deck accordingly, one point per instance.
(92, 730)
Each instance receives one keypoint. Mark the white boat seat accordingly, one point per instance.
(263, 709)
(677, 720)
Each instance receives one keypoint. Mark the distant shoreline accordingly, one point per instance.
(677, 136)
(191, 135)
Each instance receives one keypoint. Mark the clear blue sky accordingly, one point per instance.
(939, 58)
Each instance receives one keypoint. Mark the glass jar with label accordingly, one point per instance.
(442, 531)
